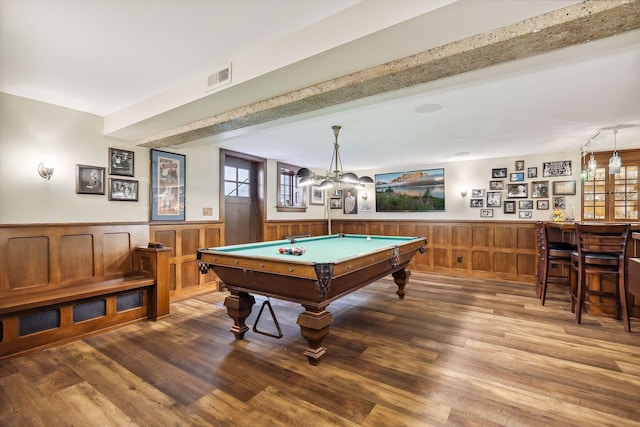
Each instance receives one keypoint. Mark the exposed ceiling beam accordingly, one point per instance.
(576, 24)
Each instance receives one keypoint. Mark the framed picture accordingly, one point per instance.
(411, 191)
(542, 205)
(496, 185)
(477, 192)
(167, 186)
(510, 206)
(539, 189)
(499, 173)
(559, 203)
(120, 162)
(564, 188)
(560, 168)
(350, 201)
(89, 179)
(337, 193)
(525, 204)
(519, 165)
(316, 196)
(335, 203)
(486, 213)
(494, 199)
(532, 172)
(517, 190)
(125, 190)
(525, 214)
(476, 203)
(516, 176)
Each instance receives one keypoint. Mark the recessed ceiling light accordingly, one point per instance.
(428, 108)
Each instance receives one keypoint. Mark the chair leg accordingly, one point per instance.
(543, 286)
(580, 285)
(623, 303)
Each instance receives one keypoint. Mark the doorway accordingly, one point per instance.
(242, 197)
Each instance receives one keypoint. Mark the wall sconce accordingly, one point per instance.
(46, 168)
(464, 192)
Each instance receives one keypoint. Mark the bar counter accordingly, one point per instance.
(566, 231)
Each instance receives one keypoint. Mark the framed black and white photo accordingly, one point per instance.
(539, 189)
(335, 203)
(525, 214)
(525, 204)
(167, 186)
(509, 206)
(516, 176)
(517, 191)
(494, 199)
(121, 162)
(564, 188)
(316, 195)
(124, 190)
(519, 165)
(477, 192)
(542, 205)
(499, 173)
(559, 203)
(496, 185)
(559, 168)
(476, 203)
(89, 179)
(532, 172)
(486, 213)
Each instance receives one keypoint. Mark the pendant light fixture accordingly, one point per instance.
(615, 162)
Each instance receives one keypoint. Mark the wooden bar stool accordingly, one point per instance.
(601, 251)
(549, 253)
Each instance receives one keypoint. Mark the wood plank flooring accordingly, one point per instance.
(454, 352)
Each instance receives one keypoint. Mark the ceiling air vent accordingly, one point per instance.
(220, 78)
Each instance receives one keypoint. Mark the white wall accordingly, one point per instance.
(31, 130)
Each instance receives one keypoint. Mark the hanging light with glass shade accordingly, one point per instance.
(584, 172)
(615, 162)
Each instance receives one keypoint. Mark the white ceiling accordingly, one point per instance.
(134, 62)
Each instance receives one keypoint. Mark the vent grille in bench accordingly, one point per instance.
(89, 310)
(36, 322)
(129, 301)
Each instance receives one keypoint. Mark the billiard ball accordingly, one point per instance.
(281, 250)
(368, 237)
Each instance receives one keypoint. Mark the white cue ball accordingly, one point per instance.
(368, 237)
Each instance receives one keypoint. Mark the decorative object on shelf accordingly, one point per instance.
(337, 176)
(558, 215)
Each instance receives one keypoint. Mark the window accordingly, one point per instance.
(608, 197)
(290, 194)
(236, 182)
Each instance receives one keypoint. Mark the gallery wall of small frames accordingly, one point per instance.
(524, 188)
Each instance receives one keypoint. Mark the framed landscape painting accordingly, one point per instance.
(412, 191)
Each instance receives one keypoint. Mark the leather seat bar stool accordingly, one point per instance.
(551, 254)
(601, 252)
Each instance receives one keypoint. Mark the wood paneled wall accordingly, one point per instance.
(501, 250)
(185, 238)
(276, 230)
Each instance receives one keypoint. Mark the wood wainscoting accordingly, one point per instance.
(185, 238)
(276, 230)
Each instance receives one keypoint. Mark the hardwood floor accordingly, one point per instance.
(454, 352)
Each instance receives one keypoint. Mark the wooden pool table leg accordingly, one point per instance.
(401, 277)
(314, 326)
(239, 308)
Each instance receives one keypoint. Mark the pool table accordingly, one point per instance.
(331, 267)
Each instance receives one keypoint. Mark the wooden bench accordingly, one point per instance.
(61, 283)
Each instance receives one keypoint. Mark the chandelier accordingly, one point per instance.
(334, 178)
